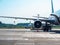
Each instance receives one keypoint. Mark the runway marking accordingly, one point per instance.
(21, 35)
(53, 36)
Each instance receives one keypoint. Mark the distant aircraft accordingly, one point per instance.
(54, 19)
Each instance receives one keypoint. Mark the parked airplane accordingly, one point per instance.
(54, 19)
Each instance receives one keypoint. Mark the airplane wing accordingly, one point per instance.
(44, 19)
(17, 17)
(22, 17)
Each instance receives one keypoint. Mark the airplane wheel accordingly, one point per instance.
(47, 28)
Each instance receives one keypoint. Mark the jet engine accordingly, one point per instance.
(37, 24)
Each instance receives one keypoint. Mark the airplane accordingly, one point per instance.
(54, 19)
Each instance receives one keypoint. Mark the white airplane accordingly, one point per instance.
(54, 19)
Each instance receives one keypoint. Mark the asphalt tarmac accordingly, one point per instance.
(28, 37)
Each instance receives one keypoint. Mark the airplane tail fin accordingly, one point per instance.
(52, 8)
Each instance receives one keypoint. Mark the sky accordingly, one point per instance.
(26, 8)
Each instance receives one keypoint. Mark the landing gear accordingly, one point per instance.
(47, 27)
